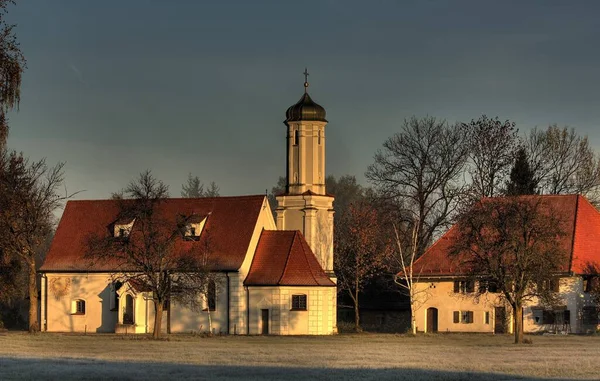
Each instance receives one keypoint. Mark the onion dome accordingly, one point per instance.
(305, 108)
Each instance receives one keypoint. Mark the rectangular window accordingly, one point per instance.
(538, 315)
(486, 317)
(466, 317)
(212, 296)
(548, 317)
(554, 285)
(319, 137)
(590, 316)
(299, 302)
(464, 286)
(456, 317)
(78, 307)
(296, 137)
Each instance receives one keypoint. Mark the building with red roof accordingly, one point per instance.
(271, 278)
(448, 299)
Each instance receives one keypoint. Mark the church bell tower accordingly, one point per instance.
(305, 205)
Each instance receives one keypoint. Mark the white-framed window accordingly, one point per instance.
(78, 307)
(464, 286)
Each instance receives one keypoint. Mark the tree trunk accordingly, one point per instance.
(158, 314)
(413, 320)
(33, 298)
(356, 314)
(518, 323)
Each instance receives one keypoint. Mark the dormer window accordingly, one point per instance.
(193, 227)
(122, 228)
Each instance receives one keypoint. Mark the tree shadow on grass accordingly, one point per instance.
(89, 369)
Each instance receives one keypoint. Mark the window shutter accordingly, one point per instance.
(456, 286)
(456, 316)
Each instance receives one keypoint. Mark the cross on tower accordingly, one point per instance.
(305, 79)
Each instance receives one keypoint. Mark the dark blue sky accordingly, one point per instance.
(116, 87)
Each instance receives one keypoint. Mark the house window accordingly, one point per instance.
(590, 316)
(299, 302)
(486, 317)
(465, 317)
(78, 307)
(212, 296)
(464, 286)
(538, 315)
(487, 286)
(548, 317)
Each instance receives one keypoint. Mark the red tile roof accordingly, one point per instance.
(581, 222)
(283, 258)
(231, 222)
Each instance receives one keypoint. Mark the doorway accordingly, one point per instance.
(265, 321)
(432, 320)
(500, 320)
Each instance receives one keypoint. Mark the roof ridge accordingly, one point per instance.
(171, 198)
(306, 259)
(574, 232)
(285, 266)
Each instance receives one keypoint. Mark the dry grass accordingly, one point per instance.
(366, 356)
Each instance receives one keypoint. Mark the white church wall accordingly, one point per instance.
(317, 319)
(63, 290)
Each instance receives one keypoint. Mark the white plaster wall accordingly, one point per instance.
(442, 297)
(94, 289)
(316, 320)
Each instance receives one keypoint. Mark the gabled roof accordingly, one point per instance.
(230, 223)
(283, 258)
(581, 223)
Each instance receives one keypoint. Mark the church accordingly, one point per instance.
(275, 276)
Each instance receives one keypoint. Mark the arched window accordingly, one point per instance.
(128, 310)
(78, 307)
(211, 297)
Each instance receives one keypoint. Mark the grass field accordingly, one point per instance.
(365, 356)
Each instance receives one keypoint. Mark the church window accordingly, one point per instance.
(299, 302)
(319, 137)
(211, 298)
(78, 307)
(296, 137)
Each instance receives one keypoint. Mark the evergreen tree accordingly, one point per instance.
(522, 179)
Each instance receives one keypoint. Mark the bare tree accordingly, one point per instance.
(28, 198)
(362, 251)
(492, 144)
(12, 65)
(564, 162)
(148, 255)
(409, 277)
(512, 243)
(420, 169)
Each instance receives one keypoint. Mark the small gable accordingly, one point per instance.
(283, 258)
